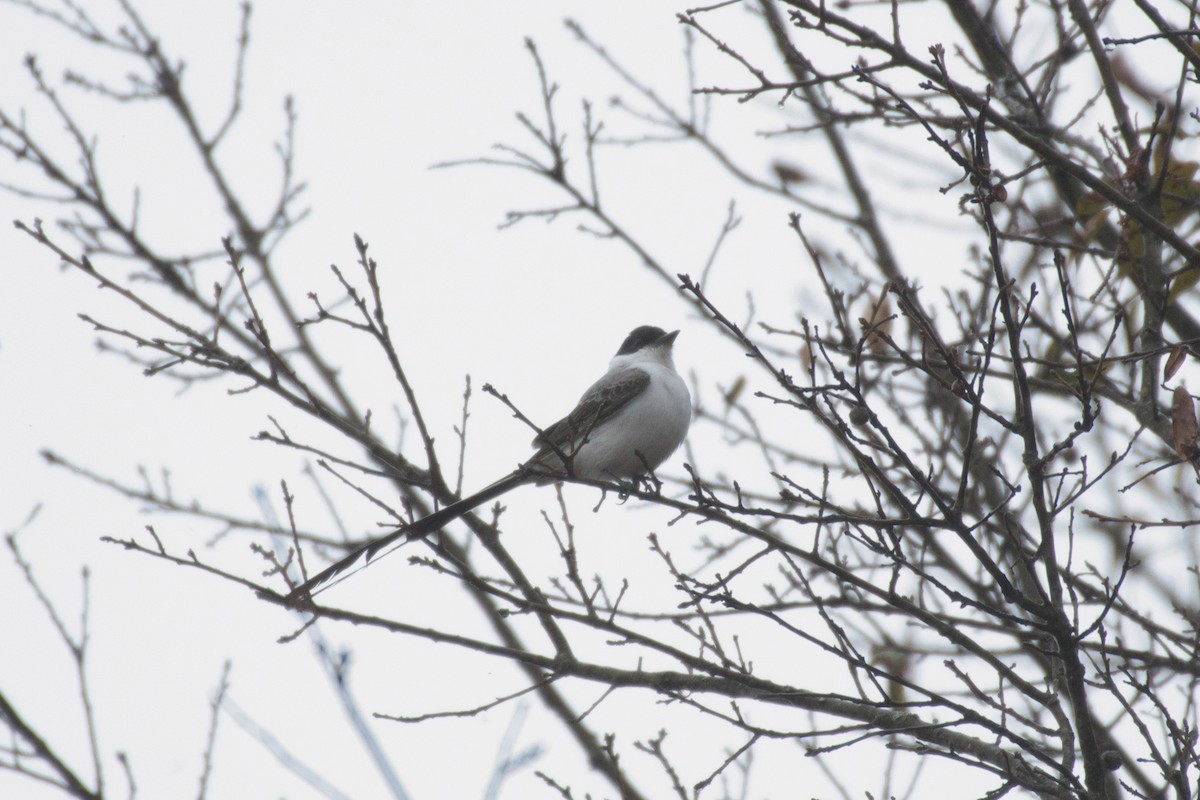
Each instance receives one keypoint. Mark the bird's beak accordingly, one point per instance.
(667, 339)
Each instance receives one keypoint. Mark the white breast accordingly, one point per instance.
(654, 424)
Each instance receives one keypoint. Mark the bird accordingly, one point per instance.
(624, 426)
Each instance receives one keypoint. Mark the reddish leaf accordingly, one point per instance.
(789, 173)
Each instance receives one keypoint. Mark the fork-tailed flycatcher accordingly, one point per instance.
(625, 425)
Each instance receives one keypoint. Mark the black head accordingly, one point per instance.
(646, 336)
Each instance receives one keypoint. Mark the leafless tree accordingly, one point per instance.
(943, 473)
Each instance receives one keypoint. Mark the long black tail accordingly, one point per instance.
(422, 527)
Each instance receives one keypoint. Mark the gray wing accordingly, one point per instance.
(601, 402)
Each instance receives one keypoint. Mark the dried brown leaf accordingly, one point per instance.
(880, 323)
(1184, 430)
(1174, 361)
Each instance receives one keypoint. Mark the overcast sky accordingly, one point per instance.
(383, 91)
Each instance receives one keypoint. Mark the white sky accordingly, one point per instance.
(383, 91)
